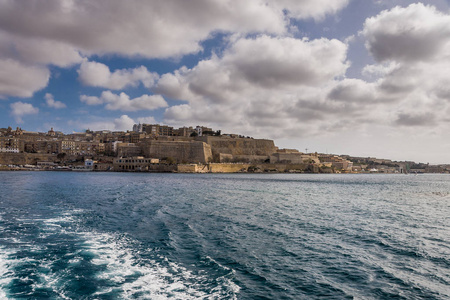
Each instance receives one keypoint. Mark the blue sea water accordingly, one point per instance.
(67, 235)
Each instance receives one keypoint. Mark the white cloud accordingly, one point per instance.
(50, 100)
(412, 46)
(151, 28)
(274, 62)
(354, 90)
(38, 51)
(378, 70)
(124, 103)
(98, 75)
(64, 32)
(279, 87)
(257, 86)
(47, 52)
(123, 123)
(146, 120)
(20, 109)
(91, 100)
(302, 9)
(417, 32)
(19, 80)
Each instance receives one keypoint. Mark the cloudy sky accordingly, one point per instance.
(358, 77)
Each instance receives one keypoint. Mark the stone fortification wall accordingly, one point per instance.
(181, 151)
(243, 167)
(162, 168)
(227, 158)
(239, 146)
(173, 138)
(228, 168)
(128, 151)
(25, 158)
(283, 167)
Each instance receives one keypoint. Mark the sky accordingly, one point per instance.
(357, 77)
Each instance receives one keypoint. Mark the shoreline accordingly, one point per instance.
(177, 172)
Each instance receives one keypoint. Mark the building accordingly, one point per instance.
(9, 150)
(154, 129)
(128, 149)
(184, 131)
(138, 128)
(339, 163)
(134, 163)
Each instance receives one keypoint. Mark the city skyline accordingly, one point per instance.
(364, 78)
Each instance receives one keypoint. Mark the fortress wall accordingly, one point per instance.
(283, 167)
(128, 151)
(238, 167)
(25, 158)
(240, 146)
(187, 168)
(227, 168)
(182, 151)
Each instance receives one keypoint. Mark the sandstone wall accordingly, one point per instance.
(181, 151)
(187, 168)
(239, 146)
(227, 168)
(283, 167)
(241, 167)
(128, 151)
(25, 158)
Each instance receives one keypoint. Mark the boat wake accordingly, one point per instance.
(61, 260)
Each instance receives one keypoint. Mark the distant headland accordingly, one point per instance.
(161, 148)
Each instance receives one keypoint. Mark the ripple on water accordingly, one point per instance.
(246, 236)
(99, 264)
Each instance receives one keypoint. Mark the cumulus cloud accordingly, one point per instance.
(354, 90)
(91, 100)
(124, 103)
(417, 32)
(50, 100)
(98, 75)
(153, 28)
(278, 87)
(273, 62)
(251, 65)
(146, 120)
(412, 46)
(36, 34)
(317, 9)
(123, 123)
(20, 80)
(378, 70)
(34, 50)
(416, 119)
(257, 85)
(20, 109)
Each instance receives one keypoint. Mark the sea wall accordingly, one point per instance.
(228, 168)
(277, 167)
(187, 168)
(245, 167)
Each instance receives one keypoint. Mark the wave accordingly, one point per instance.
(71, 262)
(5, 272)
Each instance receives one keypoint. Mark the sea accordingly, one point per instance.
(71, 235)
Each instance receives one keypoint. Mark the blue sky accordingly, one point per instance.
(359, 77)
